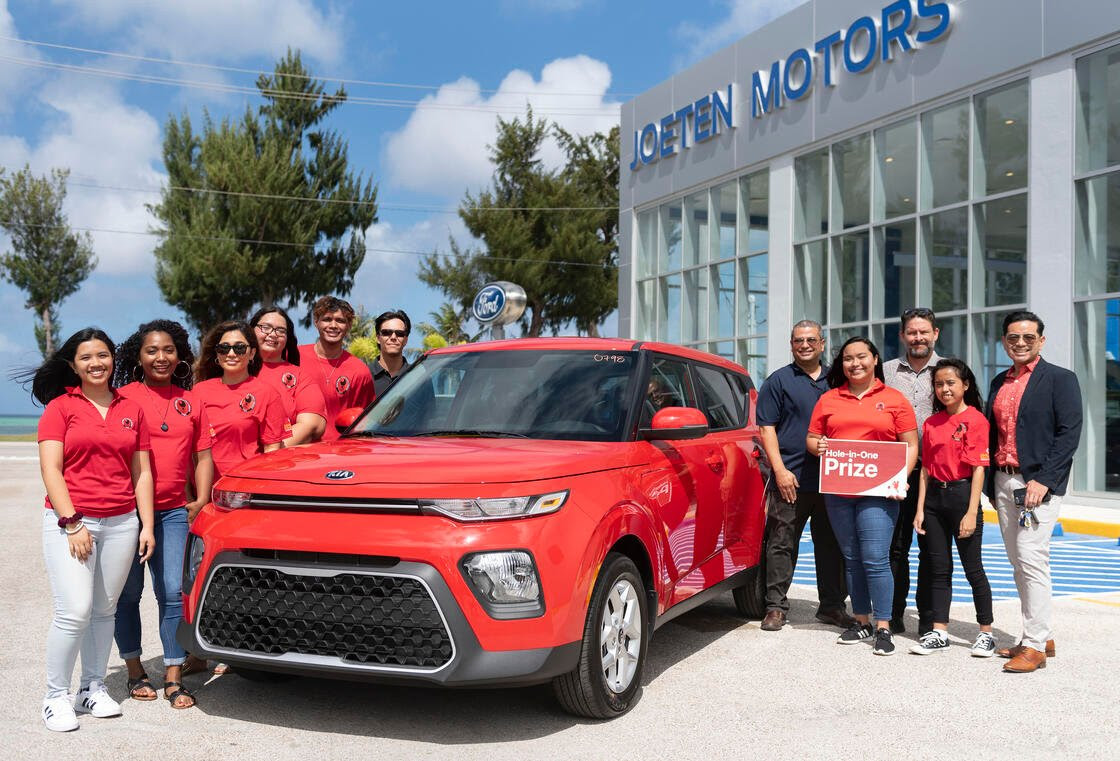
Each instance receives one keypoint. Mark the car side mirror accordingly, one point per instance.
(676, 424)
(346, 418)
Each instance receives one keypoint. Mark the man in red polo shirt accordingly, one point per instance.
(1035, 413)
(345, 380)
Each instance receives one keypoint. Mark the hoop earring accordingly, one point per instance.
(141, 369)
(185, 375)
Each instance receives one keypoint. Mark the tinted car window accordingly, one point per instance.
(668, 387)
(718, 400)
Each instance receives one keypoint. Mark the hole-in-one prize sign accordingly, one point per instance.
(864, 468)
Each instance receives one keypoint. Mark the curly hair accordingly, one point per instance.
(127, 358)
(206, 367)
(291, 344)
(55, 375)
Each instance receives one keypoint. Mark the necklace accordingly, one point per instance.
(163, 421)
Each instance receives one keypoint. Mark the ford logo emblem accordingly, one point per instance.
(489, 303)
(340, 475)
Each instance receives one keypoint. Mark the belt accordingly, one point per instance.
(1010, 470)
(947, 484)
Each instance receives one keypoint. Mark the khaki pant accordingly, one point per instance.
(1028, 549)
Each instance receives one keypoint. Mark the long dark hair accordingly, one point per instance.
(206, 367)
(971, 394)
(127, 357)
(836, 377)
(291, 347)
(55, 375)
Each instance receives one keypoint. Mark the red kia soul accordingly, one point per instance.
(508, 513)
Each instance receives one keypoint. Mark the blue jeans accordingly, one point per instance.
(166, 566)
(864, 527)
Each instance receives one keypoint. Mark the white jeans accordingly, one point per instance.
(85, 596)
(1028, 549)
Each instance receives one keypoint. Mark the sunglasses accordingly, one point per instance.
(238, 348)
(386, 332)
(1014, 338)
(807, 341)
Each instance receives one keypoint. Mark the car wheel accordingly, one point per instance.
(608, 677)
(263, 677)
(750, 599)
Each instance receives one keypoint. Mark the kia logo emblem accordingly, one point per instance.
(340, 475)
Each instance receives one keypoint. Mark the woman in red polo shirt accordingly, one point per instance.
(246, 415)
(304, 407)
(954, 456)
(93, 454)
(157, 360)
(861, 407)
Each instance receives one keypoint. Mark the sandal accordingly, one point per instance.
(173, 697)
(194, 665)
(138, 683)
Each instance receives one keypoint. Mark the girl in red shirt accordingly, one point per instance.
(157, 360)
(304, 407)
(954, 455)
(246, 415)
(93, 454)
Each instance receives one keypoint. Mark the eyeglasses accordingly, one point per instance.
(238, 348)
(386, 332)
(1027, 338)
(267, 330)
(807, 341)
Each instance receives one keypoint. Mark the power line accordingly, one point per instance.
(237, 70)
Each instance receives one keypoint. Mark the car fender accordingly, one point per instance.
(625, 519)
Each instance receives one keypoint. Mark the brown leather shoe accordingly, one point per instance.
(1026, 661)
(835, 617)
(1011, 652)
(774, 621)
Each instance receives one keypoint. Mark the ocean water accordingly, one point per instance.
(13, 425)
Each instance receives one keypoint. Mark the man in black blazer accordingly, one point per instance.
(1035, 413)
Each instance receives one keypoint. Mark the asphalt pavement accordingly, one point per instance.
(715, 687)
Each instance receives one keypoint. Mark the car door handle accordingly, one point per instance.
(715, 462)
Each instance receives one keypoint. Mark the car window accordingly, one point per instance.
(668, 387)
(718, 399)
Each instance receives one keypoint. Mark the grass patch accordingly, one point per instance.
(19, 437)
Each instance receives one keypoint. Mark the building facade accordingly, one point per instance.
(855, 158)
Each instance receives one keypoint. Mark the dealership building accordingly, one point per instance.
(854, 158)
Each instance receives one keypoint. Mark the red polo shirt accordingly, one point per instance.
(244, 418)
(345, 382)
(297, 390)
(953, 445)
(1005, 409)
(188, 431)
(96, 452)
(881, 415)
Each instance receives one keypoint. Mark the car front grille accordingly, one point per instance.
(371, 620)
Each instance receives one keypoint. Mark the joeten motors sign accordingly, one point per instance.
(864, 468)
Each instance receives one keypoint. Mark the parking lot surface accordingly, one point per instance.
(715, 687)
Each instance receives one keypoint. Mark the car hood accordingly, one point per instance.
(431, 460)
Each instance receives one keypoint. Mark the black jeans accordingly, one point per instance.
(900, 551)
(944, 510)
(784, 524)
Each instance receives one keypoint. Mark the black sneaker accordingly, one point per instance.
(933, 641)
(898, 626)
(884, 642)
(855, 633)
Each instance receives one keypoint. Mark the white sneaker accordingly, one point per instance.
(95, 701)
(933, 641)
(58, 714)
(985, 646)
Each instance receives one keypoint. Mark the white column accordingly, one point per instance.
(780, 317)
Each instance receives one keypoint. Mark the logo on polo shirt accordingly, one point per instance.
(962, 429)
(289, 380)
(182, 406)
(342, 385)
(127, 424)
(879, 406)
(248, 404)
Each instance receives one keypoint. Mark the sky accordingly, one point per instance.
(428, 82)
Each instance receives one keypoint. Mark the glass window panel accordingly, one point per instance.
(752, 355)
(647, 243)
(696, 305)
(837, 337)
(725, 349)
(850, 278)
(852, 194)
(1097, 362)
(669, 314)
(696, 246)
(717, 399)
(896, 161)
(757, 286)
(945, 155)
(1001, 139)
(885, 336)
(725, 200)
(952, 341)
(945, 265)
(896, 256)
(1098, 235)
(1001, 232)
(988, 355)
(671, 237)
(757, 197)
(810, 283)
(721, 315)
(812, 194)
(646, 328)
(1098, 110)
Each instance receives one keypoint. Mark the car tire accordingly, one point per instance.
(617, 626)
(750, 599)
(262, 677)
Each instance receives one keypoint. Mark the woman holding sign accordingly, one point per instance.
(860, 408)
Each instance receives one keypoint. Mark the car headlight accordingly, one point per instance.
(231, 500)
(505, 583)
(192, 560)
(495, 509)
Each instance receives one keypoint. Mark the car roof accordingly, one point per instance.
(582, 343)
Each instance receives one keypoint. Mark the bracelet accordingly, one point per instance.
(71, 519)
(77, 526)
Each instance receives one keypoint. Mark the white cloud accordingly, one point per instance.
(204, 29)
(13, 79)
(442, 149)
(744, 16)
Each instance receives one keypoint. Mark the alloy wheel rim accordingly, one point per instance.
(620, 636)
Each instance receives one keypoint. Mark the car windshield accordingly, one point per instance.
(573, 395)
